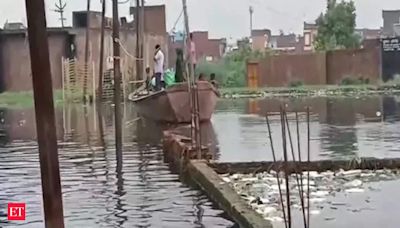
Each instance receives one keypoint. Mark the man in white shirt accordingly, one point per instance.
(158, 66)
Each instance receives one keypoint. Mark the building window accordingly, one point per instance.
(209, 58)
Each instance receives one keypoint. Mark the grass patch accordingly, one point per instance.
(354, 81)
(25, 99)
(296, 84)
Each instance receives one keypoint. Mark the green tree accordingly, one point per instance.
(336, 28)
(230, 71)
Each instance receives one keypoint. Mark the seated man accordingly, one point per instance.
(213, 81)
(201, 77)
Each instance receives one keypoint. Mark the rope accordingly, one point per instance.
(177, 20)
(126, 51)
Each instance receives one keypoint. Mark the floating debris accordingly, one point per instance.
(261, 190)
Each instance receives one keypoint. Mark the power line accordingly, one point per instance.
(177, 20)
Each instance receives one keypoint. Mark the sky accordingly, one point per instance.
(222, 18)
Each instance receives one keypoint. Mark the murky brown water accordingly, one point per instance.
(144, 192)
(341, 128)
(96, 192)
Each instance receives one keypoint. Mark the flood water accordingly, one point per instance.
(144, 192)
(340, 128)
(96, 191)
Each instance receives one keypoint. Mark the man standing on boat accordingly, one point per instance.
(158, 66)
(193, 51)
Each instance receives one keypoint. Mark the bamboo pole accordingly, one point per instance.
(117, 80)
(85, 75)
(138, 42)
(45, 116)
(195, 133)
(101, 60)
(142, 39)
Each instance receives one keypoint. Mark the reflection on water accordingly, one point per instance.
(100, 188)
(341, 128)
(137, 189)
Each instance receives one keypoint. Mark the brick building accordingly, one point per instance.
(260, 39)
(206, 49)
(69, 42)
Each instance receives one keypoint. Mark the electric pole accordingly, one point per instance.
(45, 116)
(251, 10)
(60, 8)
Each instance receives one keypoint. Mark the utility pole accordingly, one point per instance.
(85, 76)
(101, 60)
(44, 111)
(60, 8)
(117, 81)
(251, 10)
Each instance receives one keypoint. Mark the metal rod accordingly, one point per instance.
(308, 163)
(85, 76)
(101, 59)
(298, 182)
(45, 116)
(285, 157)
(117, 79)
(277, 173)
(301, 173)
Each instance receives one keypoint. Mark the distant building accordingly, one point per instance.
(69, 42)
(154, 19)
(284, 43)
(391, 21)
(310, 32)
(260, 39)
(206, 49)
(369, 34)
(13, 26)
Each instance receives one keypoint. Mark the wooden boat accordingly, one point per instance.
(172, 105)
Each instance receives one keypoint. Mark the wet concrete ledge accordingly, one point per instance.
(226, 197)
(319, 166)
(181, 156)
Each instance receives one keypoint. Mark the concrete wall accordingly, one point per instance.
(16, 69)
(317, 68)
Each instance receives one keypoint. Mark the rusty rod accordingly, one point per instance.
(45, 117)
(298, 180)
(285, 157)
(301, 173)
(101, 59)
(308, 163)
(117, 79)
(277, 173)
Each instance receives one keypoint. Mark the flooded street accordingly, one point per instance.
(96, 191)
(145, 193)
(341, 128)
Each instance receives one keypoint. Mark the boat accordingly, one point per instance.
(172, 105)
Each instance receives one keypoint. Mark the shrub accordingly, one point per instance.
(295, 84)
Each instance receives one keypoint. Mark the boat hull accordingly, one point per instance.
(172, 105)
